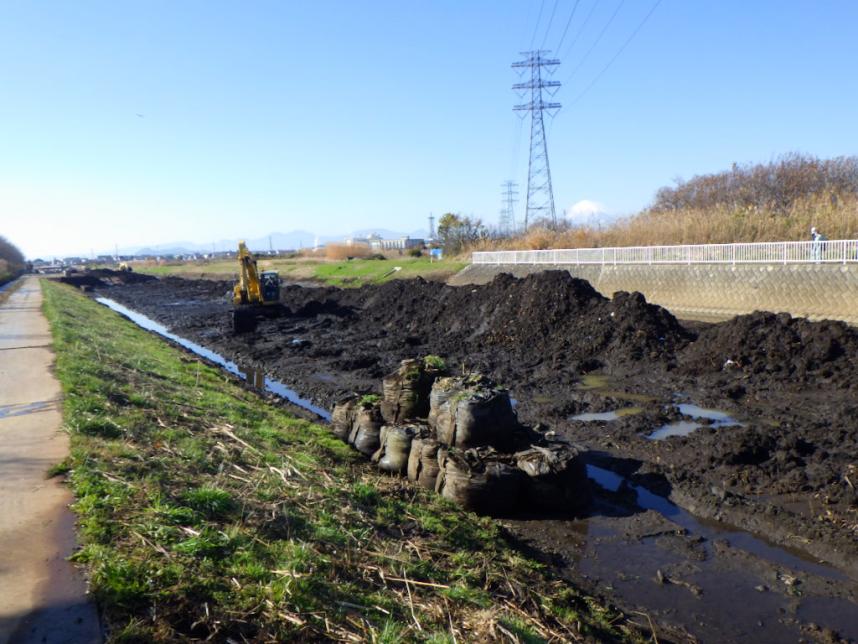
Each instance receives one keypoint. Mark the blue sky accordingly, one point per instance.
(136, 123)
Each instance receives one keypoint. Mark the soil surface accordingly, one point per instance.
(774, 448)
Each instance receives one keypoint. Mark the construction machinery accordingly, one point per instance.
(256, 294)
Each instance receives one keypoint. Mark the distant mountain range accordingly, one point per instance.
(293, 240)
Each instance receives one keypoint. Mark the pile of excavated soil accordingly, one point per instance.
(551, 315)
(778, 347)
(104, 277)
(547, 327)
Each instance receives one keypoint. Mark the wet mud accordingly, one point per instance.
(775, 449)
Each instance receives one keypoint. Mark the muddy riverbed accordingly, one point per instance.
(692, 429)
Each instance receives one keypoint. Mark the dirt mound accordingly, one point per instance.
(103, 277)
(551, 315)
(777, 346)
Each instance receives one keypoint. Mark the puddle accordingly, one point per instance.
(711, 530)
(606, 415)
(254, 377)
(599, 382)
(833, 612)
(686, 427)
(721, 418)
(591, 381)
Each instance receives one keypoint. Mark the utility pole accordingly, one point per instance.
(540, 194)
(507, 213)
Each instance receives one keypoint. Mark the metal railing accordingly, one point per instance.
(841, 251)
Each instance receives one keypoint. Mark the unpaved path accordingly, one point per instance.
(42, 597)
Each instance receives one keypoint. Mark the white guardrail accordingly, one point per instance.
(841, 251)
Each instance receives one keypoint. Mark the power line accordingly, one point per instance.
(598, 39)
(583, 26)
(550, 22)
(617, 55)
(568, 22)
(538, 20)
(516, 145)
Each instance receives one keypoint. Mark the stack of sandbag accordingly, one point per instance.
(405, 392)
(556, 477)
(470, 448)
(358, 421)
(481, 480)
(471, 412)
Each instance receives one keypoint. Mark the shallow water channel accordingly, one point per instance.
(715, 581)
(254, 377)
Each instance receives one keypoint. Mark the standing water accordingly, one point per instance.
(253, 377)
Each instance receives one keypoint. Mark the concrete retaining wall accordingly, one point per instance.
(712, 291)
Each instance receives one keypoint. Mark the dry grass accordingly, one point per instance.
(836, 218)
(342, 251)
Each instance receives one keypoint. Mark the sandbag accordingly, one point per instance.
(474, 416)
(395, 448)
(556, 477)
(366, 429)
(423, 461)
(479, 481)
(442, 390)
(405, 392)
(343, 418)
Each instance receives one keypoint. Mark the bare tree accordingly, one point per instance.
(775, 186)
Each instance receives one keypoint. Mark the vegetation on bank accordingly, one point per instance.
(12, 260)
(354, 272)
(777, 201)
(206, 512)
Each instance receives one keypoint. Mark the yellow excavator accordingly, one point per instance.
(255, 294)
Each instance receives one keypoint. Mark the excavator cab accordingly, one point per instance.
(254, 294)
(270, 286)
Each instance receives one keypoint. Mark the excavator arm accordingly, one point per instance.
(248, 289)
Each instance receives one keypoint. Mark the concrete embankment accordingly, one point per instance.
(711, 291)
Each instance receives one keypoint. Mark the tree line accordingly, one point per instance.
(11, 259)
(774, 186)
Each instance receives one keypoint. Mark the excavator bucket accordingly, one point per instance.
(244, 320)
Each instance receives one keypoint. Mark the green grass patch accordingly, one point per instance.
(355, 272)
(206, 513)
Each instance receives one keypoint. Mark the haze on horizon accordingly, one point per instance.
(137, 124)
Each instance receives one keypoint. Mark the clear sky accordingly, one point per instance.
(137, 123)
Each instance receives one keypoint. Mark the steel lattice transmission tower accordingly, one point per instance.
(507, 213)
(540, 194)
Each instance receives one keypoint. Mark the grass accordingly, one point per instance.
(354, 272)
(206, 513)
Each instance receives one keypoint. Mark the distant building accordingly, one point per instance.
(376, 243)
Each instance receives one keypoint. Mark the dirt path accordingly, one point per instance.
(42, 597)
